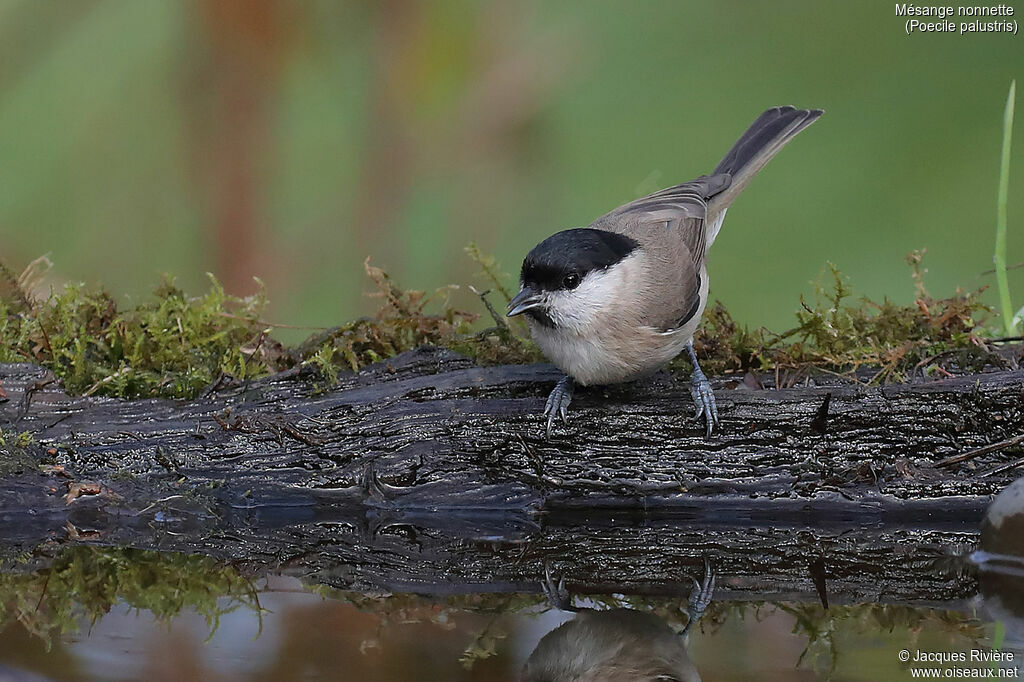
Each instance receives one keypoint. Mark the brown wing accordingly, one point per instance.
(683, 207)
(672, 225)
(671, 228)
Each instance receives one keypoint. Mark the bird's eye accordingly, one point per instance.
(571, 281)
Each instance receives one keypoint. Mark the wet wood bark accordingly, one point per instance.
(427, 472)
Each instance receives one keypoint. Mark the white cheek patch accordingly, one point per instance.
(581, 308)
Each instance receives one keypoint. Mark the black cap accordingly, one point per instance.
(552, 263)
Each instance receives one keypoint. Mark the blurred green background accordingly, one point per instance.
(291, 140)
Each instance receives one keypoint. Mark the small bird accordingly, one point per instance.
(617, 644)
(618, 300)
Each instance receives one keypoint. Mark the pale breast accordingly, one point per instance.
(612, 355)
(613, 340)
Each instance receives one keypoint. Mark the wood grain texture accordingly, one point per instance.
(428, 472)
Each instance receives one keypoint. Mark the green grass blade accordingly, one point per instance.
(999, 258)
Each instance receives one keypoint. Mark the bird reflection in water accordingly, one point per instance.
(617, 644)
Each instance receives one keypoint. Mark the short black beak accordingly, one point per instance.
(523, 301)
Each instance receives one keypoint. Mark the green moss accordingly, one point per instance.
(826, 630)
(835, 333)
(83, 583)
(16, 439)
(15, 454)
(402, 323)
(174, 345)
(87, 581)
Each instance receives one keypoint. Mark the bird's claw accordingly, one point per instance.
(704, 400)
(556, 593)
(703, 591)
(700, 597)
(558, 402)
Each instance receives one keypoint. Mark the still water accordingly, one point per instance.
(99, 613)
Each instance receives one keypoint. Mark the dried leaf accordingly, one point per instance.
(76, 490)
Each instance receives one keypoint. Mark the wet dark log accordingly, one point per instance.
(410, 470)
(914, 563)
(428, 431)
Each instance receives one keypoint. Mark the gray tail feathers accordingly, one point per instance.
(762, 140)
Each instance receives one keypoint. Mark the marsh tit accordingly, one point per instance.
(617, 644)
(618, 300)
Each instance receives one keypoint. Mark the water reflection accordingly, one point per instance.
(616, 645)
(1001, 563)
(112, 614)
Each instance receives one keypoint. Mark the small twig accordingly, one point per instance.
(26, 400)
(215, 385)
(1001, 469)
(250, 356)
(298, 435)
(107, 379)
(160, 501)
(46, 584)
(223, 422)
(922, 365)
(265, 323)
(489, 267)
(849, 375)
(46, 338)
(993, 447)
(17, 290)
(992, 271)
(874, 377)
(499, 321)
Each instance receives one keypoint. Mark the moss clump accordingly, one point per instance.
(87, 581)
(507, 342)
(172, 346)
(16, 439)
(402, 323)
(836, 335)
(176, 345)
(828, 630)
(15, 452)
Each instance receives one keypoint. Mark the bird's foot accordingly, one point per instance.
(700, 597)
(556, 593)
(558, 402)
(704, 400)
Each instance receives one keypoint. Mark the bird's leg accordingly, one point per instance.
(703, 396)
(556, 592)
(700, 597)
(558, 401)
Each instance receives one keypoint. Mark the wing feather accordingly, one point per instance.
(683, 208)
(671, 225)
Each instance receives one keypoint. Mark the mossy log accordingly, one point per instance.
(425, 472)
